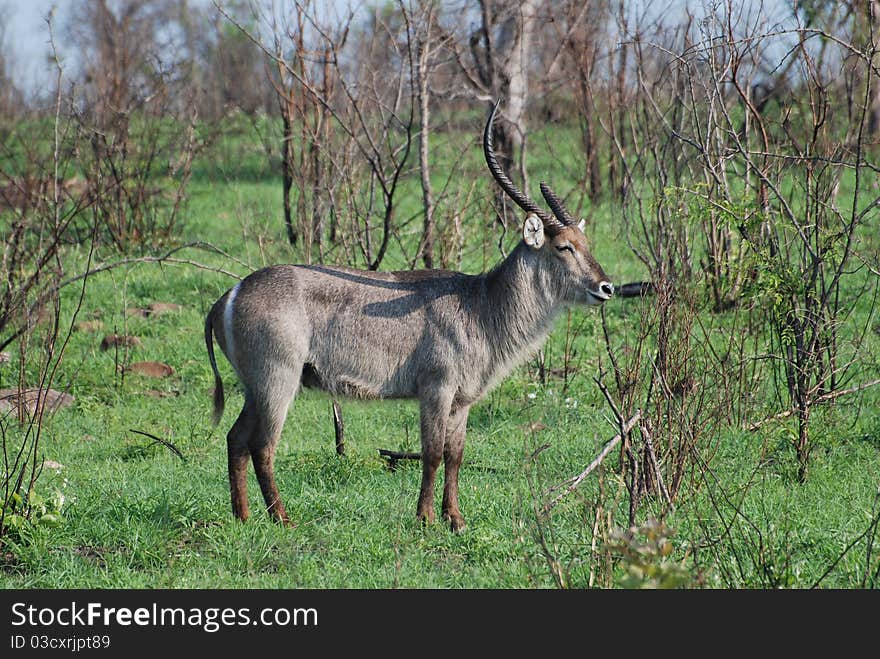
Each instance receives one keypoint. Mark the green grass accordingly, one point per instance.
(138, 516)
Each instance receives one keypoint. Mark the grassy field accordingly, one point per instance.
(137, 515)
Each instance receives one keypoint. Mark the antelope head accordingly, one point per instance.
(555, 238)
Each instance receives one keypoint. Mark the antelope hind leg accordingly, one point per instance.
(238, 454)
(274, 401)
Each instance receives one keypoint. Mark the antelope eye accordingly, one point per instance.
(565, 248)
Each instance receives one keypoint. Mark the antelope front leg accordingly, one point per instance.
(452, 454)
(434, 412)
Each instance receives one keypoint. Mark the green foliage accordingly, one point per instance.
(22, 515)
(645, 555)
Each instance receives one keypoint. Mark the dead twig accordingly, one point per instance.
(649, 447)
(571, 484)
(636, 289)
(166, 258)
(824, 398)
(394, 456)
(159, 440)
(538, 451)
(625, 451)
(338, 428)
(104, 267)
(871, 528)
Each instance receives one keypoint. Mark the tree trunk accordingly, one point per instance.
(286, 173)
(513, 50)
(874, 109)
(618, 132)
(588, 129)
(424, 128)
(508, 32)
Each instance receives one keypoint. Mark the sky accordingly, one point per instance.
(25, 35)
(26, 39)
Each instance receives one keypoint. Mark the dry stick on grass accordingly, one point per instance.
(871, 528)
(824, 398)
(159, 440)
(625, 451)
(394, 456)
(338, 428)
(574, 481)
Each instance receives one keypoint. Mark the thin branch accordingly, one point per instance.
(645, 429)
(869, 529)
(572, 483)
(159, 440)
(831, 395)
(394, 456)
(164, 258)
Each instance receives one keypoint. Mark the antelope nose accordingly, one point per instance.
(606, 288)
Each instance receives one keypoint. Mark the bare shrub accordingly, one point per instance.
(35, 224)
(139, 124)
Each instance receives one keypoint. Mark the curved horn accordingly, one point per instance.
(555, 204)
(522, 200)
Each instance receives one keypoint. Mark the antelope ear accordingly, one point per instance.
(533, 231)
(582, 224)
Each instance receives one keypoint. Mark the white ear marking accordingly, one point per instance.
(582, 224)
(533, 231)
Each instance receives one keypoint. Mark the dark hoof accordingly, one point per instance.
(456, 523)
(281, 519)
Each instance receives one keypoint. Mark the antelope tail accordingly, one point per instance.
(219, 399)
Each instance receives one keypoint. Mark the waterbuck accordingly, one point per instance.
(444, 338)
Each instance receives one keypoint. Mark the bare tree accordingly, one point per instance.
(372, 110)
(500, 51)
(130, 90)
(223, 65)
(32, 268)
(423, 44)
(857, 22)
(783, 247)
(581, 35)
(305, 82)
